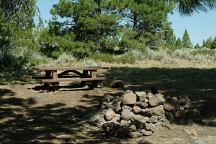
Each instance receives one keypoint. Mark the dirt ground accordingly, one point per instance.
(31, 115)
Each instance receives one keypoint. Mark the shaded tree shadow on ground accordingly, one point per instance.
(21, 121)
(197, 84)
(67, 87)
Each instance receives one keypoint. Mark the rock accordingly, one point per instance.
(180, 114)
(154, 90)
(149, 95)
(141, 93)
(136, 109)
(135, 134)
(105, 105)
(127, 107)
(185, 102)
(146, 112)
(117, 84)
(117, 106)
(174, 99)
(126, 114)
(125, 123)
(153, 119)
(146, 133)
(141, 96)
(116, 119)
(159, 111)
(133, 127)
(142, 105)
(154, 101)
(129, 98)
(169, 106)
(146, 101)
(157, 125)
(109, 114)
(107, 98)
(160, 97)
(115, 100)
(149, 127)
(140, 118)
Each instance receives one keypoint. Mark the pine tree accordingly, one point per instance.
(189, 6)
(114, 23)
(197, 46)
(178, 43)
(186, 42)
(208, 43)
(169, 36)
(90, 20)
(213, 45)
(147, 18)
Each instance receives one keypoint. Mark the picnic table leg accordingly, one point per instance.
(55, 76)
(47, 76)
(94, 84)
(84, 75)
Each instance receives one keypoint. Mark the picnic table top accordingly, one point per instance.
(68, 68)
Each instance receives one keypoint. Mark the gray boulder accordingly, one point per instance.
(109, 115)
(149, 127)
(159, 111)
(149, 95)
(142, 105)
(129, 98)
(160, 97)
(154, 101)
(141, 96)
(126, 114)
(125, 123)
(136, 109)
(140, 118)
(133, 127)
(170, 105)
(117, 106)
(127, 107)
(141, 93)
(146, 133)
(153, 119)
(116, 119)
(135, 134)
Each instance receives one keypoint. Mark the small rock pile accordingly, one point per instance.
(136, 114)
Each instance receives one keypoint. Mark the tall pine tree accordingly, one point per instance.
(208, 43)
(178, 43)
(186, 42)
(213, 44)
(90, 20)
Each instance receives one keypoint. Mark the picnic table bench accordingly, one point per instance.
(55, 75)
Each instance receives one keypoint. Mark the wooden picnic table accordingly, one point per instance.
(54, 75)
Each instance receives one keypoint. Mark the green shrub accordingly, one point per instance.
(204, 51)
(103, 57)
(125, 58)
